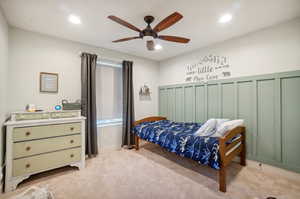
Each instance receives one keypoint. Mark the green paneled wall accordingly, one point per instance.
(291, 120)
(269, 104)
(200, 105)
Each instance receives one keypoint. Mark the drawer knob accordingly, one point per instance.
(27, 166)
(72, 155)
(27, 133)
(71, 141)
(28, 148)
(72, 128)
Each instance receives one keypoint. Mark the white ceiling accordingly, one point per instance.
(200, 22)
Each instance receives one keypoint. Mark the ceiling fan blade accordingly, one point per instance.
(126, 39)
(150, 45)
(123, 23)
(174, 39)
(168, 21)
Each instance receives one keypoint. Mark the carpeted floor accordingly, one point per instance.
(153, 172)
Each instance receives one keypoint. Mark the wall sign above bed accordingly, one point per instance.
(211, 67)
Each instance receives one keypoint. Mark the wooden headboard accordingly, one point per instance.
(149, 119)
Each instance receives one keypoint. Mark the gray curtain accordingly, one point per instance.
(128, 105)
(88, 100)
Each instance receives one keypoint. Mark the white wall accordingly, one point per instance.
(3, 74)
(32, 53)
(274, 49)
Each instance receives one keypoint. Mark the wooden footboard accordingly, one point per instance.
(147, 119)
(227, 151)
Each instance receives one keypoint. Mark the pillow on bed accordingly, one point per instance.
(221, 121)
(207, 128)
(227, 126)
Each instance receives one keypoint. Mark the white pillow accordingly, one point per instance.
(207, 128)
(227, 126)
(221, 121)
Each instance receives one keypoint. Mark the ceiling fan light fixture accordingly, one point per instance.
(74, 19)
(158, 47)
(225, 18)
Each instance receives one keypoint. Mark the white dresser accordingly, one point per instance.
(34, 146)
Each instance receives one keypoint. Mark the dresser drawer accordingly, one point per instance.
(69, 114)
(23, 149)
(31, 116)
(38, 132)
(46, 161)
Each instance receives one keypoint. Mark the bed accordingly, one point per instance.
(178, 137)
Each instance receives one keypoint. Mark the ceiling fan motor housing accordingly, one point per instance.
(149, 19)
(148, 31)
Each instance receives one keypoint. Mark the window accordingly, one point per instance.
(109, 93)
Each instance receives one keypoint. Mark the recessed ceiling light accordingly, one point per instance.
(158, 47)
(225, 18)
(74, 19)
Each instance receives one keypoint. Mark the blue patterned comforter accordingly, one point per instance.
(178, 138)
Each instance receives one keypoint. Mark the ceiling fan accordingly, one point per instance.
(149, 33)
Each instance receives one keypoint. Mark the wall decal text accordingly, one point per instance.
(211, 67)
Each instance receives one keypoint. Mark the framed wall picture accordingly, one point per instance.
(48, 82)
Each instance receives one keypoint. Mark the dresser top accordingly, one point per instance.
(44, 121)
(45, 111)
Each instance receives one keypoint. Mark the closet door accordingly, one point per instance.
(291, 121)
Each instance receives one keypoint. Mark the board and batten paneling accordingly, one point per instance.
(269, 105)
(200, 104)
(291, 120)
(213, 104)
(245, 97)
(266, 133)
(179, 104)
(228, 100)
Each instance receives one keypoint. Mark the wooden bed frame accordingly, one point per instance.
(227, 151)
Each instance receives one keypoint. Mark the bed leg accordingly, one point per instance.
(137, 142)
(222, 179)
(243, 158)
(243, 152)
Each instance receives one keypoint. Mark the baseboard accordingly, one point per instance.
(267, 168)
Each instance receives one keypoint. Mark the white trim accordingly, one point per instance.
(109, 63)
(109, 124)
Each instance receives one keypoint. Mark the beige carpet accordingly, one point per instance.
(153, 172)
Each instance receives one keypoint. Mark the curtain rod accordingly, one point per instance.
(106, 61)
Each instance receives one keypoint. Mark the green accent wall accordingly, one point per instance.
(269, 104)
